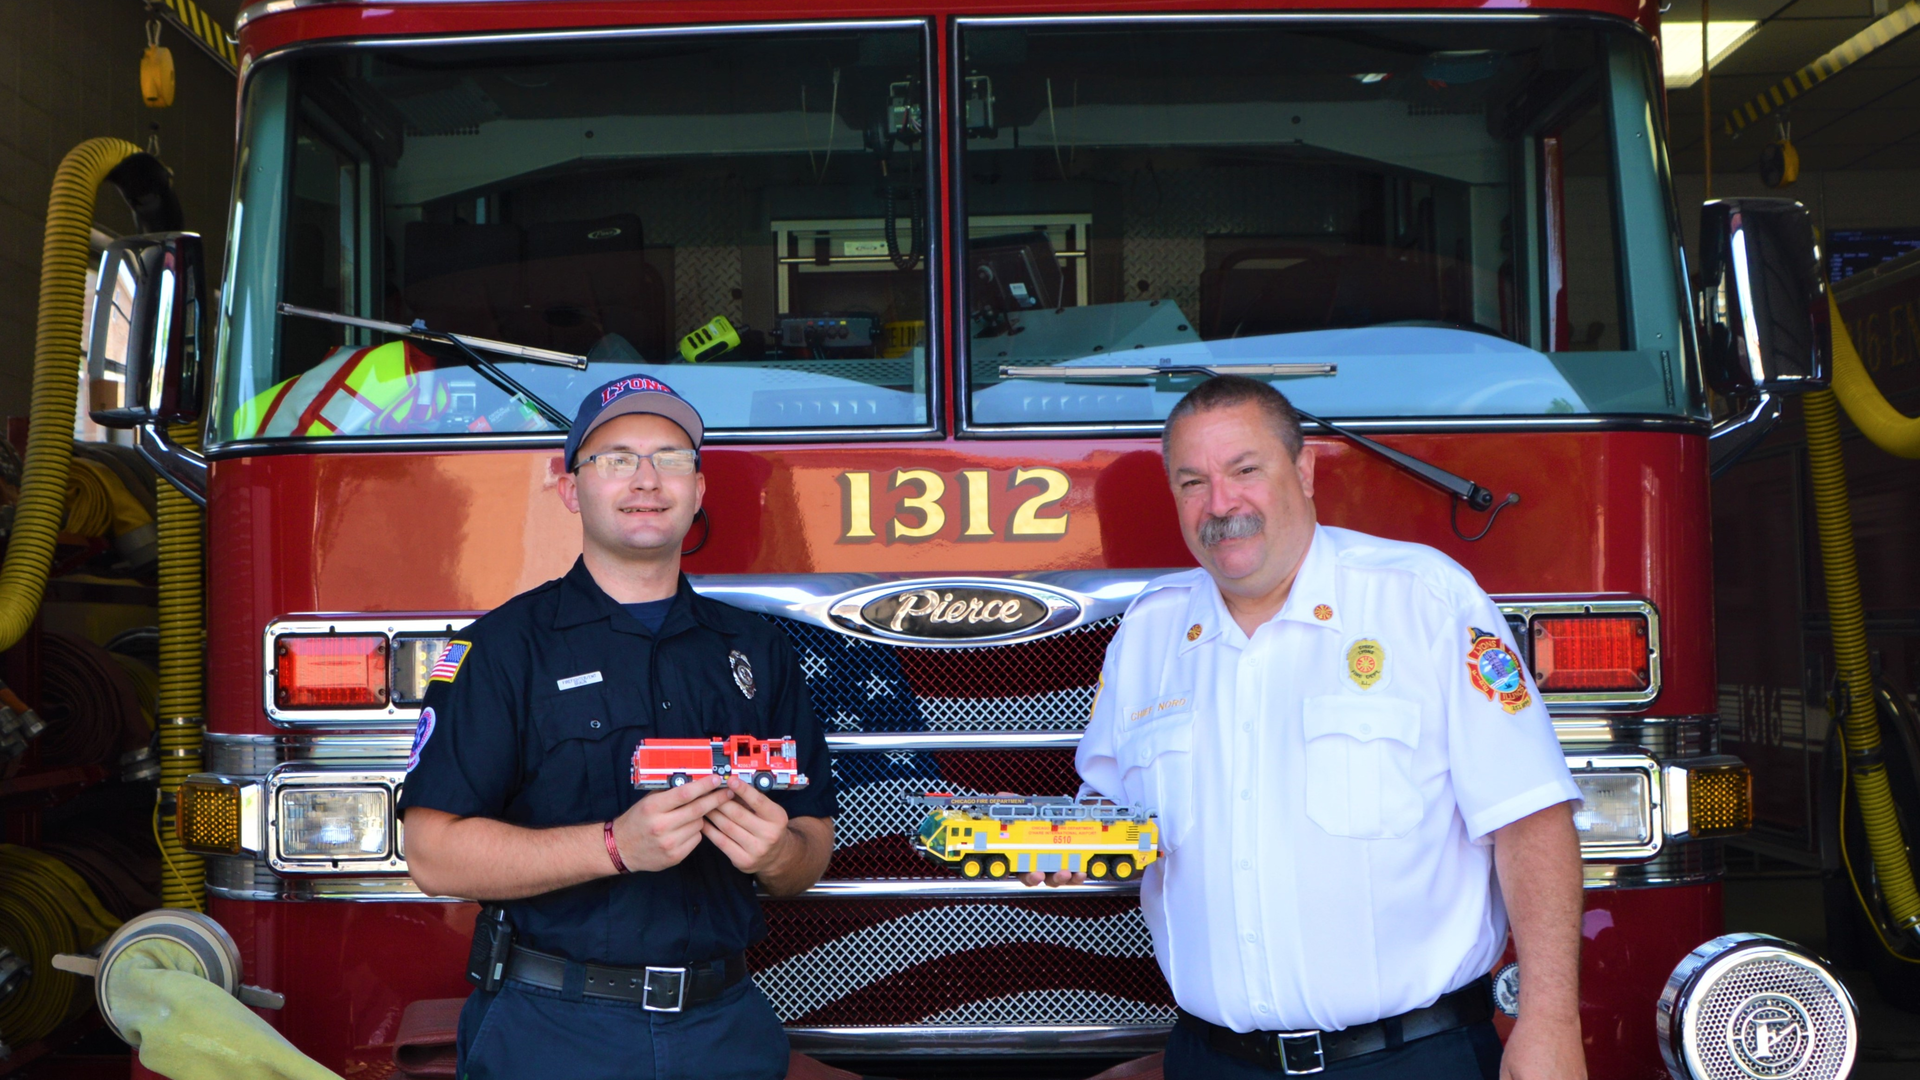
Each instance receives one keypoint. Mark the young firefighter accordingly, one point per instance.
(628, 915)
(1345, 754)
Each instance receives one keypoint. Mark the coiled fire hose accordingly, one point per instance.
(42, 508)
(1859, 719)
(45, 909)
(180, 713)
(1884, 426)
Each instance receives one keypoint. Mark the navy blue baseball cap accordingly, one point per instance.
(632, 394)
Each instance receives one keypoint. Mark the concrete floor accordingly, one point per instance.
(1788, 904)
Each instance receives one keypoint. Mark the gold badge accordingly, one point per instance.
(1322, 612)
(1366, 663)
(1193, 632)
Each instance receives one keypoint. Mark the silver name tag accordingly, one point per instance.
(576, 681)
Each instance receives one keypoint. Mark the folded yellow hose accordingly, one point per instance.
(1884, 426)
(186, 1028)
(180, 707)
(45, 908)
(56, 357)
(1861, 725)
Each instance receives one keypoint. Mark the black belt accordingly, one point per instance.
(1302, 1053)
(656, 989)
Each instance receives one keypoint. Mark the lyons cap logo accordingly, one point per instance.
(1770, 1036)
(953, 611)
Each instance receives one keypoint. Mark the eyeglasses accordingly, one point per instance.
(621, 464)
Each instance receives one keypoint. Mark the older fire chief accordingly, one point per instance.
(1345, 755)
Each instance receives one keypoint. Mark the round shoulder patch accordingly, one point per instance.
(422, 731)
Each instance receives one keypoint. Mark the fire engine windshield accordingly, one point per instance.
(742, 215)
(1387, 218)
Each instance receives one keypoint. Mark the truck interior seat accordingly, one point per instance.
(587, 279)
(463, 278)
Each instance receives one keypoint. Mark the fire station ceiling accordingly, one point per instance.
(1865, 117)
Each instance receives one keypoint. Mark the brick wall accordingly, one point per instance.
(70, 71)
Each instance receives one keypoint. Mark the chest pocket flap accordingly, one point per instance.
(1136, 748)
(1359, 765)
(581, 773)
(1361, 718)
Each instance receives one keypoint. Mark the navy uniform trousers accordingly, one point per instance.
(522, 1031)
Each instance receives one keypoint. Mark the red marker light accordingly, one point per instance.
(331, 671)
(1590, 653)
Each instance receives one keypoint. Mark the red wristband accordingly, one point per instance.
(613, 850)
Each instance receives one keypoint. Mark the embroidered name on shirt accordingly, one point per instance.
(1173, 706)
(573, 681)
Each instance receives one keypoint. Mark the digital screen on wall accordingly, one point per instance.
(1849, 251)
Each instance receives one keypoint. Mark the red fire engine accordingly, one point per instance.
(769, 764)
(971, 254)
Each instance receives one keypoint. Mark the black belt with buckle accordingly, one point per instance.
(655, 989)
(1303, 1053)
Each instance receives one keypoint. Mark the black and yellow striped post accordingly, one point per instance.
(1842, 56)
(205, 31)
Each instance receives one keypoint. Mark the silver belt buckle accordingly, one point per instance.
(1302, 1047)
(664, 984)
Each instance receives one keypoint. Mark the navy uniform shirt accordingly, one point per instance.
(535, 722)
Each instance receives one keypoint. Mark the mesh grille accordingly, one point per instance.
(1768, 1018)
(872, 824)
(1044, 685)
(986, 962)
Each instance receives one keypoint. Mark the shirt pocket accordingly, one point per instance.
(1156, 762)
(585, 771)
(1359, 765)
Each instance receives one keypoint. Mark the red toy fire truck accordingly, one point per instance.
(771, 764)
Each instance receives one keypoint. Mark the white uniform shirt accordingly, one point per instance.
(1325, 788)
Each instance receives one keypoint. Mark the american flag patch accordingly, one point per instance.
(445, 668)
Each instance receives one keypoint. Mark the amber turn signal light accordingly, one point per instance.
(207, 817)
(1708, 797)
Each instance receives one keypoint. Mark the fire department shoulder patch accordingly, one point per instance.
(742, 672)
(1495, 670)
(451, 657)
(422, 731)
(1366, 663)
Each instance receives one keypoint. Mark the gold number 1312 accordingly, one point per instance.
(922, 511)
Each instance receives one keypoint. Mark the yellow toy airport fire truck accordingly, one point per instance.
(994, 835)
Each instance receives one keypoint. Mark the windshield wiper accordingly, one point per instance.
(1123, 371)
(1461, 488)
(419, 332)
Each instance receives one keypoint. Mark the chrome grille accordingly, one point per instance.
(865, 686)
(1055, 960)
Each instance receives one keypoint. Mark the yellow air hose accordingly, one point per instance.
(1884, 426)
(56, 356)
(1860, 726)
(182, 650)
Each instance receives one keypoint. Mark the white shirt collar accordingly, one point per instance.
(1310, 600)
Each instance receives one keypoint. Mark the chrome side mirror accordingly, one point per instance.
(1766, 299)
(144, 358)
(143, 363)
(1763, 308)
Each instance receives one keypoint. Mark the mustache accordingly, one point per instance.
(1219, 530)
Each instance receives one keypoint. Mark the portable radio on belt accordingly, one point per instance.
(492, 942)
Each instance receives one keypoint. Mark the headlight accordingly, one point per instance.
(1753, 1007)
(1618, 789)
(333, 821)
(1614, 809)
(1709, 796)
